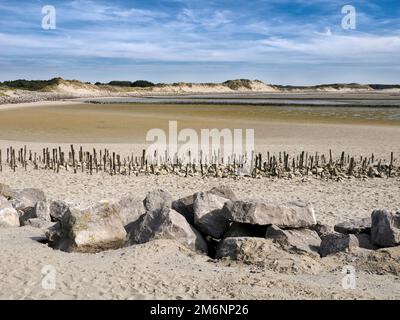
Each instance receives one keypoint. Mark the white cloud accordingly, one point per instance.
(89, 30)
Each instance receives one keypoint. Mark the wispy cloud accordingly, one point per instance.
(245, 36)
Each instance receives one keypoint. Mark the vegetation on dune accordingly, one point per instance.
(32, 85)
(384, 86)
(135, 84)
(37, 85)
(117, 86)
(240, 83)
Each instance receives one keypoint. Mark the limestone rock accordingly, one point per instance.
(385, 228)
(41, 210)
(90, 230)
(157, 199)
(291, 215)
(5, 191)
(165, 224)
(295, 240)
(336, 242)
(25, 200)
(365, 242)
(185, 207)
(354, 226)
(322, 229)
(130, 209)
(9, 217)
(40, 223)
(208, 215)
(224, 192)
(58, 209)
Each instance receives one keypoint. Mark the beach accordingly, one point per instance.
(163, 268)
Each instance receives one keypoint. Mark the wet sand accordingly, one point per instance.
(128, 124)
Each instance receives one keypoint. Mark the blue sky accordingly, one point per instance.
(277, 41)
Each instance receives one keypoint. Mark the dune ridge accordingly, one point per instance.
(21, 91)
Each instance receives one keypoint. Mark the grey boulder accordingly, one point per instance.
(337, 242)
(157, 199)
(130, 209)
(25, 199)
(58, 209)
(185, 207)
(295, 240)
(90, 230)
(291, 215)
(165, 224)
(41, 210)
(365, 242)
(5, 191)
(354, 226)
(208, 215)
(224, 192)
(322, 229)
(385, 228)
(40, 223)
(9, 217)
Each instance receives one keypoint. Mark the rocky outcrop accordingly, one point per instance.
(90, 230)
(165, 224)
(291, 215)
(385, 228)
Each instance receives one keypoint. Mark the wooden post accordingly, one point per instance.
(391, 164)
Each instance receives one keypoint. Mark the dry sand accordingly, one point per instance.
(163, 269)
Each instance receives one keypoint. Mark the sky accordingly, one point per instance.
(297, 42)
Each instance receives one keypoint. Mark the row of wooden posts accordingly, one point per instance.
(256, 165)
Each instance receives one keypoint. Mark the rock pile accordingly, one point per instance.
(213, 222)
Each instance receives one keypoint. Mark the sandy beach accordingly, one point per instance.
(163, 268)
(233, 152)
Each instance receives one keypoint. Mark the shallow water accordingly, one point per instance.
(130, 122)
